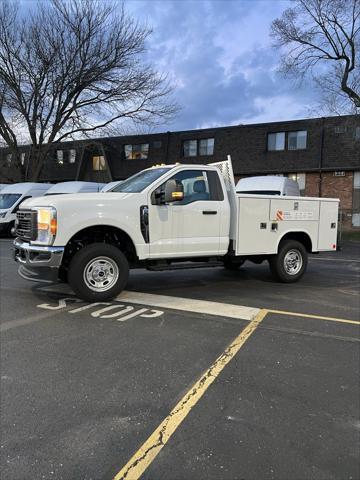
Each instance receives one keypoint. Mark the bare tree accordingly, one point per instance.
(70, 68)
(322, 38)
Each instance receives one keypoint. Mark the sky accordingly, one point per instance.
(220, 58)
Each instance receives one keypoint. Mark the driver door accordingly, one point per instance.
(190, 227)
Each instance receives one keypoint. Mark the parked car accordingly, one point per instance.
(268, 185)
(75, 187)
(3, 185)
(11, 196)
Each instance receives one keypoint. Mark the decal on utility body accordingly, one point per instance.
(279, 215)
(294, 215)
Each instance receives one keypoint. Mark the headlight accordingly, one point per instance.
(2, 214)
(46, 225)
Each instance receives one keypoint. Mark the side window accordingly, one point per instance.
(216, 189)
(197, 185)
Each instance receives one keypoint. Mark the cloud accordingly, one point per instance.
(219, 57)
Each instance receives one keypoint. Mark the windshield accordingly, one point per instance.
(7, 200)
(138, 182)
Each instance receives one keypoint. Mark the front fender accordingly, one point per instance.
(70, 225)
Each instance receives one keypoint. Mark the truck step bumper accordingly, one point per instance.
(42, 275)
(38, 263)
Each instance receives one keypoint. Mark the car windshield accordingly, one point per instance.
(138, 182)
(7, 200)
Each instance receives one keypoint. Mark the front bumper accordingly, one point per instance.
(38, 263)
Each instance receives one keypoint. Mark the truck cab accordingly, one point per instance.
(168, 217)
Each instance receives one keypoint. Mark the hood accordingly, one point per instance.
(77, 200)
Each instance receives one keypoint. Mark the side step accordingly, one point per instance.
(160, 267)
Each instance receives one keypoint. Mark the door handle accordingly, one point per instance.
(209, 212)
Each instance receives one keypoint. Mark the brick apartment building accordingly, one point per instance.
(322, 154)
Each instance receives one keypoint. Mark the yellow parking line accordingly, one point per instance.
(317, 317)
(146, 454)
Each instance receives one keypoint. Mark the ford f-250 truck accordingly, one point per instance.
(168, 217)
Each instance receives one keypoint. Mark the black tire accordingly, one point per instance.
(102, 262)
(8, 230)
(230, 264)
(289, 265)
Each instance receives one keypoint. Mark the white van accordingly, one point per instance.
(3, 185)
(110, 185)
(268, 185)
(75, 187)
(11, 196)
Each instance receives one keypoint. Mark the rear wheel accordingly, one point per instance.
(290, 263)
(98, 272)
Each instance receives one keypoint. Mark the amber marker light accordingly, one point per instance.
(53, 226)
(177, 195)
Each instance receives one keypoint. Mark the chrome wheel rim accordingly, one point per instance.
(293, 262)
(101, 274)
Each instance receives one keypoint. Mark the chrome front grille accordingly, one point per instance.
(26, 223)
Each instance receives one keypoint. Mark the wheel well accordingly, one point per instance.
(100, 234)
(301, 237)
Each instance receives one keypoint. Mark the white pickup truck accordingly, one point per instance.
(168, 217)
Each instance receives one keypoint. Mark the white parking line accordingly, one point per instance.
(176, 303)
(190, 305)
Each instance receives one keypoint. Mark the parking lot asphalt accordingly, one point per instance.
(261, 384)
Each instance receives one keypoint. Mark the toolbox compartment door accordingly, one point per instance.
(254, 236)
(294, 210)
(328, 224)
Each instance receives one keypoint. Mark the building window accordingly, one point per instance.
(137, 152)
(157, 144)
(297, 140)
(300, 178)
(59, 157)
(8, 159)
(356, 200)
(276, 141)
(340, 129)
(357, 133)
(190, 148)
(193, 148)
(72, 155)
(206, 146)
(98, 162)
(22, 158)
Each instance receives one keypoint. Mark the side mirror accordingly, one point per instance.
(174, 191)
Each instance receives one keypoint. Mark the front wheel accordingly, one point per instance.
(98, 272)
(290, 263)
